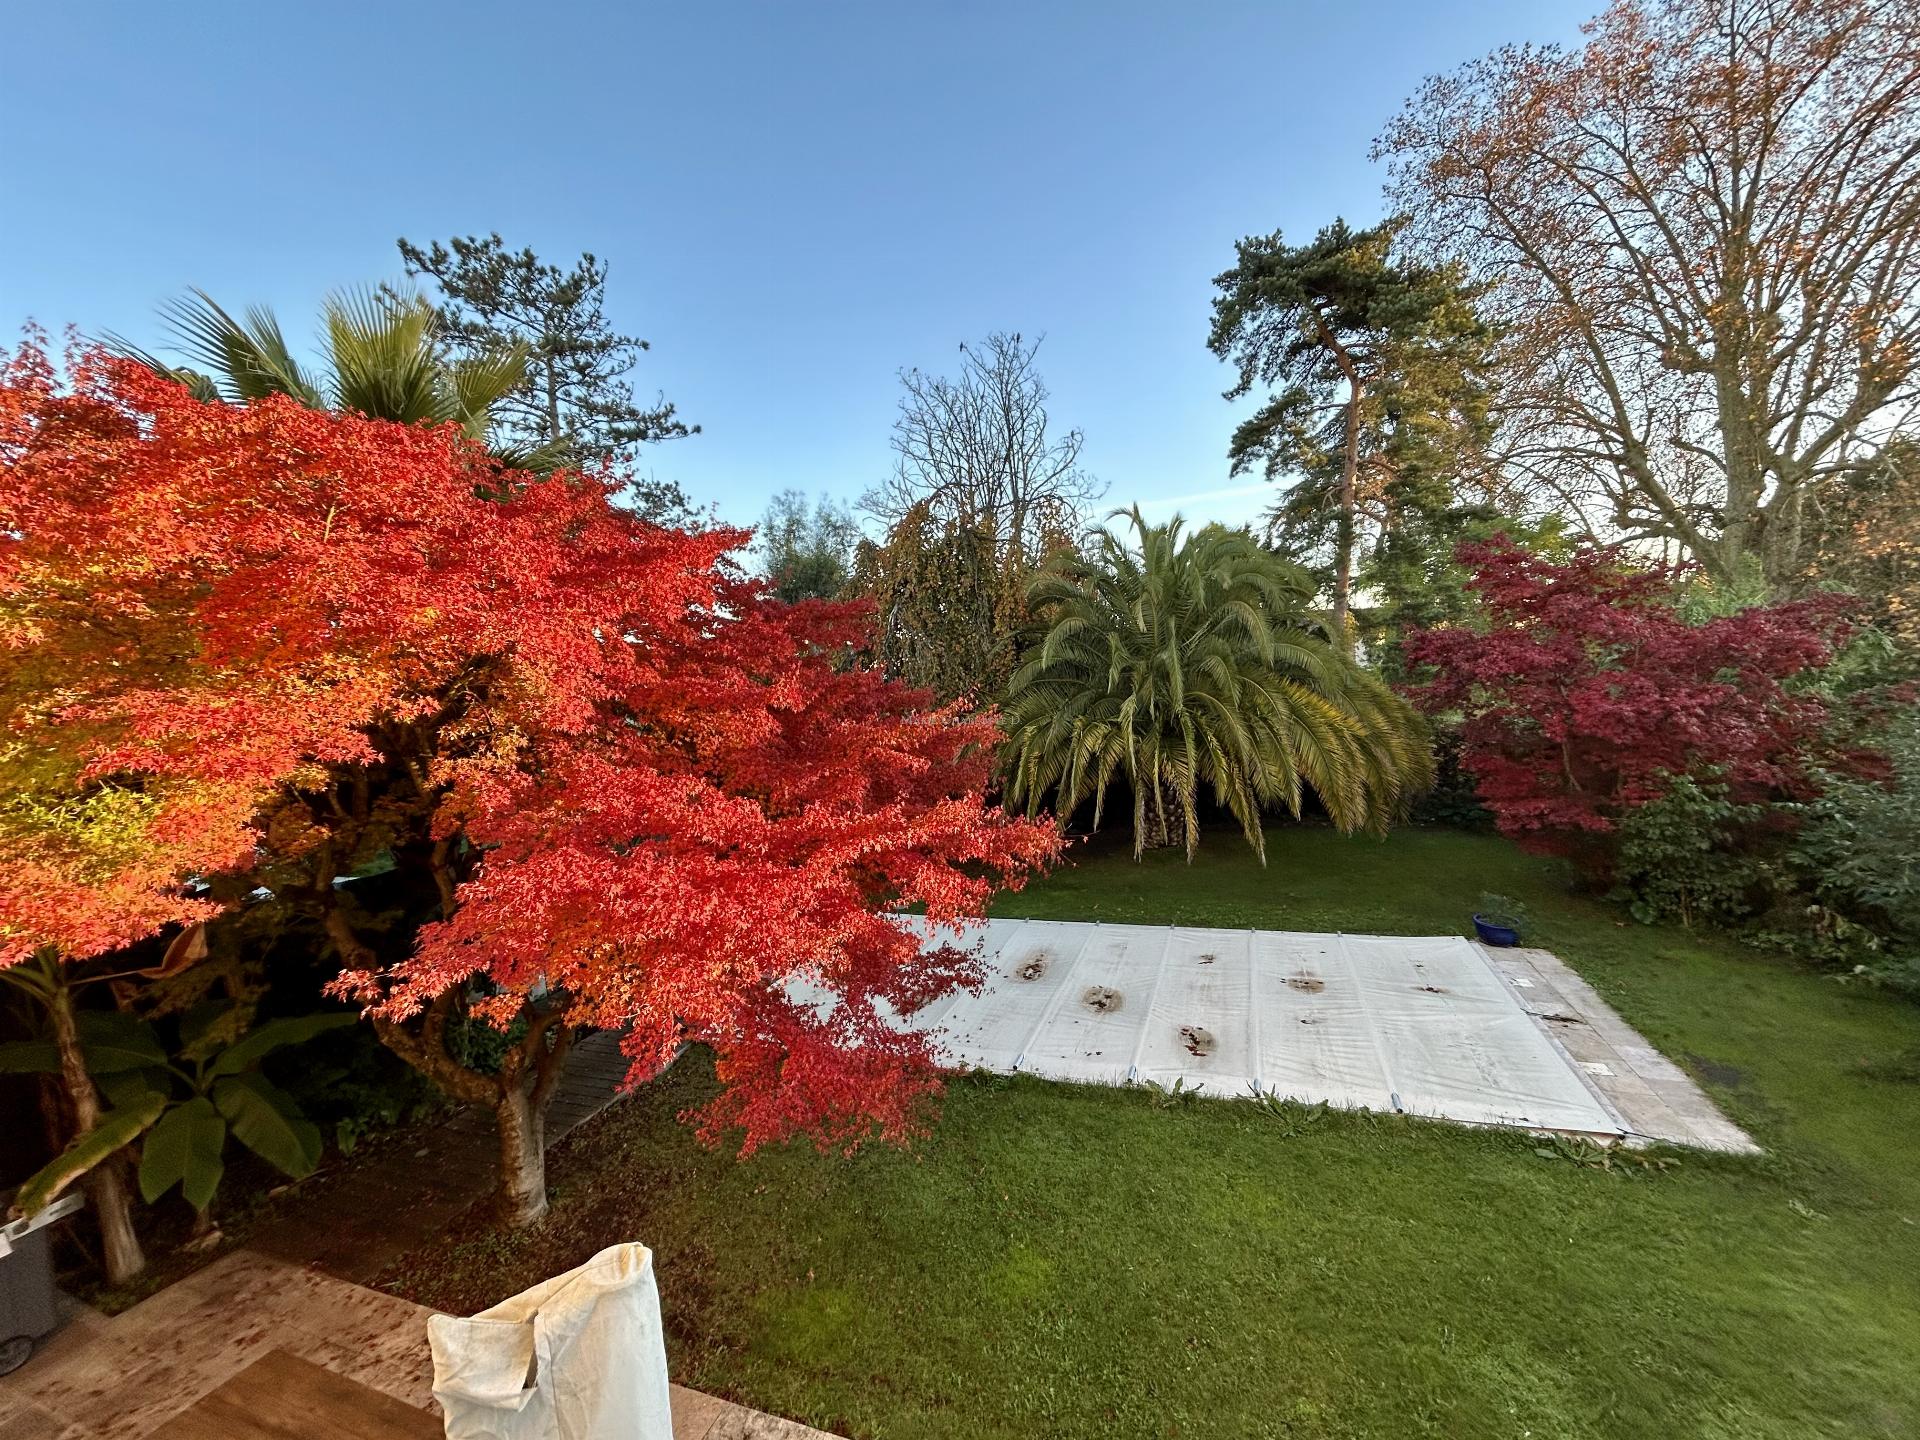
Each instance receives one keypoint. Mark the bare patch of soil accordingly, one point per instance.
(1307, 984)
(1714, 1072)
(1101, 999)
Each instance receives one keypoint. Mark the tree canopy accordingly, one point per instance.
(383, 361)
(1381, 366)
(1696, 232)
(1584, 693)
(808, 553)
(979, 452)
(574, 405)
(274, 644)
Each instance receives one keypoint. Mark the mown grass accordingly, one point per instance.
(1060, 1261)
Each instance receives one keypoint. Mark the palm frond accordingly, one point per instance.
(380, 347)
(1186, 660)
(249, 360)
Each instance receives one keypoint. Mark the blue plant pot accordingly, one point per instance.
(1493, 932)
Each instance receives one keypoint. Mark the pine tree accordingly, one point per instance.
(576, 406)
(1382, 368)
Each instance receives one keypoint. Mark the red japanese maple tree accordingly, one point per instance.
(645, 795)
(1584, 692)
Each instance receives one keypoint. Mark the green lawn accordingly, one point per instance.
(1059, 1261)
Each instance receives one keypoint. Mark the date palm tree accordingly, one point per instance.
(382, 358)
(1188, 660)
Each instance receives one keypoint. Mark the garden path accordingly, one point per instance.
(300, 1287)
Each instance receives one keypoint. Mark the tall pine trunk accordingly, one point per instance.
(1344, 524)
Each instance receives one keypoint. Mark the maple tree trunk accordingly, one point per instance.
(523, 1157)
(518, 1095)
(521, 1115)
(106, 1186)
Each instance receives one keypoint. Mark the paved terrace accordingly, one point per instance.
(128, 1377)
(1653, 1097)
(293, 1291)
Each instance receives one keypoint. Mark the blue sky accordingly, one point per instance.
(796, 199)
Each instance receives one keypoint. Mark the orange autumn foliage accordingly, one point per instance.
(267, 642)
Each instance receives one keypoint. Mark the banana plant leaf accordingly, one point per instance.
(266, 1120)
(198, 1026)
(109, 1050)
(184, 1149)
(116, 1129)
(124, 1088)
(262, 1040)
(121, 1033)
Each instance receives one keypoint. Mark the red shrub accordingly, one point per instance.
(1585, 692)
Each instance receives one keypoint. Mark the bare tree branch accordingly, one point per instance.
(1700, 234)
(975, 450)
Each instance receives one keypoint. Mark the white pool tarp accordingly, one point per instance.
(1420, 1024)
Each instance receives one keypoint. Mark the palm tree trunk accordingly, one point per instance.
(1155, 806)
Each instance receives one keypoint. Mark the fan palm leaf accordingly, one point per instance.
(381, 352)
(383, 360)
(243, 360)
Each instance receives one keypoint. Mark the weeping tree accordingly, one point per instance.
(1182, 661)
(950, 600)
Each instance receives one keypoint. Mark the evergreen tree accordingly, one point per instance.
(1381, 366)
(808, 554)
(1413, 579)
(575, 406)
